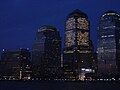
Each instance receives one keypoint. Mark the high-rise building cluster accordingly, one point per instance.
(77, 60)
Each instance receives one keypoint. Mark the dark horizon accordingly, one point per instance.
(19, 20)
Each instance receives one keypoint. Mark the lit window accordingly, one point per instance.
(82, 38)
(70, 38)
(110, 35)
(82, 23)
(70, 23)
(103, 36)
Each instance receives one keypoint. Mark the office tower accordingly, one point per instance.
(16, 64)
(46, 52)
(78, 50)
(108, 47)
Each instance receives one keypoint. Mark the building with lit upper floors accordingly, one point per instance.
(108, 47)
(78, 51)
(46, 52)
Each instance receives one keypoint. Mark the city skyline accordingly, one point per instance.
(59, 44)
(23, 18)
(79, 60)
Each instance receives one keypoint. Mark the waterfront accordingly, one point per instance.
(38, 85)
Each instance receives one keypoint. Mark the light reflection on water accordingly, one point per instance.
(17, 85)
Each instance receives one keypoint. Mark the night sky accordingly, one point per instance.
(20, 19)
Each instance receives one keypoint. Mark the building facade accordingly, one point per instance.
(46, 52)
(108, 47)
(15, 64)
(78, 50)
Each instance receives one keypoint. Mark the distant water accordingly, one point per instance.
(17, 85)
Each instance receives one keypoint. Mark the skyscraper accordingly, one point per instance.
(108, 47)
(78, 51)
(46, 52)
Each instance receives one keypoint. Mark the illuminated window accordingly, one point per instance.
(82, 38)
(104, 36)
(70, 38)
(108, 27)
(70, 23)
(82, 23)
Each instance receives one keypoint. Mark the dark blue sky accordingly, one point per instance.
(20, 19)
